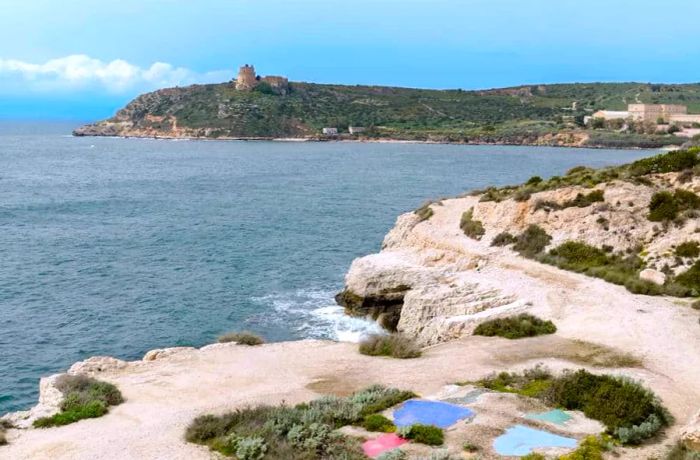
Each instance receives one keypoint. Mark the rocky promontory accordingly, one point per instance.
(548, 115)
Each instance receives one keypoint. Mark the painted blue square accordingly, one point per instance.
(436, 413)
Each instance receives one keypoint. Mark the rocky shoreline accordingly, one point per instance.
(435, 283)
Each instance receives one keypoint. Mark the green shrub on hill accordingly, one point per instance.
(305, 431)
(83, 397)
(630, 412)
(503, 239)
(665, 206)
(532, 241)
(688, 249)
(515, 327)
(425, 212)
(472, 228)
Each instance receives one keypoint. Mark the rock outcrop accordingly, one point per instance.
(50, 399)
(428, 277)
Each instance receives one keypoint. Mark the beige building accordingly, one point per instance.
(654, 112)
(668, 113)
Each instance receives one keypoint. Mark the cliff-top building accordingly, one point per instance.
(247, 80)
(666, 113)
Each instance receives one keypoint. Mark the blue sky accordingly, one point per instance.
(84, 59)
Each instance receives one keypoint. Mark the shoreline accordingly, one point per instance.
(374, 141)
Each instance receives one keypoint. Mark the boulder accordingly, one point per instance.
(652, 276)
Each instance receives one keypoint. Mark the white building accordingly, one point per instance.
(330, 131)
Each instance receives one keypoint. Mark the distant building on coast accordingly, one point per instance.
(356, 129)
(666, 113)
(248, 80)
(330, 131)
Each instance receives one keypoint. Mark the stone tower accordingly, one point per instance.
(247, 79)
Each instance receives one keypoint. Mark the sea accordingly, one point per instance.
(113, 246)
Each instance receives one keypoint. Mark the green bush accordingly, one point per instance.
(534, 180)
(665, 206)
(394, 345)
(532, 241)
(83, 397)
(630, 412)
(425, 212)
(690, 279)
(503, 239)
(242, 338)
(472, 228)
(674, 161)
(377, 422)
(305, 431)
(584, 200)
(688, 249)
(424, 434)
(591, 448)
(515, 327)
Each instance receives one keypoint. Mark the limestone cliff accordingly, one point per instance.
(440, 272)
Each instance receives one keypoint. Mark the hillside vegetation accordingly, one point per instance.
(543, 114)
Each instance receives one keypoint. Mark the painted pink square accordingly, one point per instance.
(375, 447)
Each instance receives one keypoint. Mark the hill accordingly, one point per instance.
(539, 114)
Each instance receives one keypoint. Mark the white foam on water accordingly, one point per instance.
(314, 314)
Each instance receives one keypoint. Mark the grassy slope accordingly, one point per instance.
(502, 115)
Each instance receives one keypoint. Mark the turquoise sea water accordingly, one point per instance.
(117, 246)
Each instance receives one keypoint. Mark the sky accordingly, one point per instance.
(84, 59)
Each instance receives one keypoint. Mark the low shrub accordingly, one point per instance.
(83, 397)
(665, 206)
(515, 327)
(304, 431)
(241, 338)
(534, 180)
(394, 345)
(591, 448)
(584, 200)
(377, 422)
(424, 434)
(503, 239)
(688, 249)
(521, 195)
(532, 241)
(630, 412)
(674, 161)
(472, 228)
(690, 279)
(3, 437)
(425, 212)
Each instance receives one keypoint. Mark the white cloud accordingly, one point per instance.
(80, 72)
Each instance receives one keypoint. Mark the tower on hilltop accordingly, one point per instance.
(246, 79)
